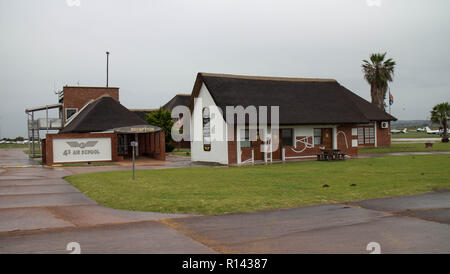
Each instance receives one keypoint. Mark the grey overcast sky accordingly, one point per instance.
(158, 46)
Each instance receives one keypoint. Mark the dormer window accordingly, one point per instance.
(70, 112)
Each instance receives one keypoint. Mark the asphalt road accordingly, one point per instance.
(41, 213)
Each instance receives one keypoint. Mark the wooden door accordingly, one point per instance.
(256, 145)
(276, 155)
(327, 138)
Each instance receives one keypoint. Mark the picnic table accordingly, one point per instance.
(330, 155)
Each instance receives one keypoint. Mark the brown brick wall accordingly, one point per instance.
(160, 153)
(344, 140)
(383, 135)
(43, 150)
(246, 153)
(300, 146)
(77, 97)
(182, 144)
(344, 143)
(232, 148)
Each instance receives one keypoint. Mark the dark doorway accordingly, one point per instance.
(124, 144)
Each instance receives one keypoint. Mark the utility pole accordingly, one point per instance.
(134, 145)
(107, 68)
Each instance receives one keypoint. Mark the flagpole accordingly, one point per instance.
(389, 100)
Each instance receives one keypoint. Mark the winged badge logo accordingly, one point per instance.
(82, 144)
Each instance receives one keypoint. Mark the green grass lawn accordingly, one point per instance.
(217, 190)
(13, 145)
(406, 147)
(27, 151)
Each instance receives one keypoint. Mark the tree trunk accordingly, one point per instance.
(378, 95)
(445, 135)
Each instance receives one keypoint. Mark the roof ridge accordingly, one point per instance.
(142, 109)
(89, 87)
(268, 78)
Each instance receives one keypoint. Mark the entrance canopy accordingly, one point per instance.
(137, 129)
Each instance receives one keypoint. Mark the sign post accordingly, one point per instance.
(133, 145)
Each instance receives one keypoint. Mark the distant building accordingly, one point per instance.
(143, 112)
(177, 100)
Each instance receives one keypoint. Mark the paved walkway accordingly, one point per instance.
(41, 213)
(415, 140)
(15, 157)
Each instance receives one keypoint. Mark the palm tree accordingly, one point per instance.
(378, 72)
(440, 115)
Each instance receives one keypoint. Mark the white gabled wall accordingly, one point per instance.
(219, 145)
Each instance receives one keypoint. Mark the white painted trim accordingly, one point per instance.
(375, 134)
(345, 137)
(334, 132)
(67, 122)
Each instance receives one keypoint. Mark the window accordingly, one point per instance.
(245, 138)
(70, 112)
(317, 136)
(369, 135)
(360, 136)
(366, 135)
(286, 136)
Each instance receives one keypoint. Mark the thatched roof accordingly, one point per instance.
(300, 100)
(178, 100)
(102, 114)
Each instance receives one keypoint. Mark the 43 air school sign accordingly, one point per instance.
(81, 150)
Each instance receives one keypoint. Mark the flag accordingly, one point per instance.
(391, 99)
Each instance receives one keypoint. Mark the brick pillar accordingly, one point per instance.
(162, 145)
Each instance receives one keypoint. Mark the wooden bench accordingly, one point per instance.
(331, 155)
